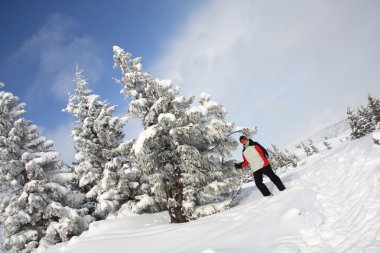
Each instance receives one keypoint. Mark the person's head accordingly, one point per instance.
(243, 140)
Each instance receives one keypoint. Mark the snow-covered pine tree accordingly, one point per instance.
(101, 161)
(176, 147)
(155, 151)
(327, 145)
(353, 120)
(274, 157)
(365, 120)
(32, 207)
(279, 159)
(312, 147)
(11, 178)
(374, 109)
(306, 149)
(207, 175)
(292, 157)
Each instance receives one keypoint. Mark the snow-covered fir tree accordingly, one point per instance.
(374, 109)
(182, 147)
(306, 149)
(11, 168)
(362, 124)
(279, 159)
(367, 125)
(353, 120)
(101, 162)
(275, 157)
(366, 119)
(205, 127)
(292, 157)
(312, 147)
(32, 209)
(327, 144)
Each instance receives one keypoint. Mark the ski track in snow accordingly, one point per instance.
(348, 201)
(331, 205)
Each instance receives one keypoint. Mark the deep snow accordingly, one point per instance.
(1, 241)
(332, 204)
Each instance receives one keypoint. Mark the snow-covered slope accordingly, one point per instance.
(332, 205)
(1, 241)
(335, 134)
(332, 131)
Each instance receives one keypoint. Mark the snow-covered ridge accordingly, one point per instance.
(334, 134)
(332, 205)
(332, 131)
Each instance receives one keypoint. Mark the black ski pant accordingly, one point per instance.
(258, 176)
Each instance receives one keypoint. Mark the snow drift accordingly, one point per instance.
(332, 205)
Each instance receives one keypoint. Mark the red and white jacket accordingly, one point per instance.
(255, 155)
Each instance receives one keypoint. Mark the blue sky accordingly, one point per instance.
(289, 67)
(46, 39)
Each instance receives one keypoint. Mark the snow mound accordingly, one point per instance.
(331, 205)
(376, 136)
(209, 251)
(291, 214)
(347, 200)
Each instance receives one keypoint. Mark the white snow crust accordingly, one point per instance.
(166, 116)
(331, 205)
(376, 135)
(149, 132)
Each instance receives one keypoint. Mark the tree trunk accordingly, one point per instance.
(174, 204)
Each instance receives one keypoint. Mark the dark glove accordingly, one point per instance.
(238, 166)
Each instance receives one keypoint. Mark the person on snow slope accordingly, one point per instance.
(256, 156)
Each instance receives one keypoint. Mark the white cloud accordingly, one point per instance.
(55, 50)
(289, 67)
(63, 142)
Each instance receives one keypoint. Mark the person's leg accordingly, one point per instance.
(258, 176)
(273, 177)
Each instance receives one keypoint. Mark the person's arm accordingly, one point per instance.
(245, 163)
(242, 164)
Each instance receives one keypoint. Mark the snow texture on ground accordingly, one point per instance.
(1, 240)
(332, 205)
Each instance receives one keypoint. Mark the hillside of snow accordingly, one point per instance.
(332, 205)
(332, 131)
(335, 133)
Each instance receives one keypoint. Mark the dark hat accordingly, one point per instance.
(241, 137)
